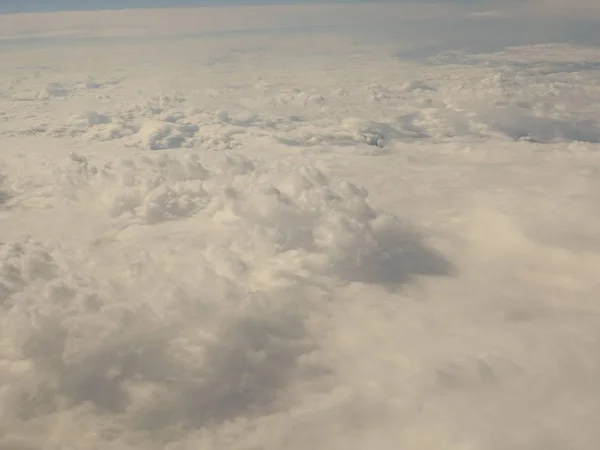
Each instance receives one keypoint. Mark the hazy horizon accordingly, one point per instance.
(99, 5)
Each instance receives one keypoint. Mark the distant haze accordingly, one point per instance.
(13, 6)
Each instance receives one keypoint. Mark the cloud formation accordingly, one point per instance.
(318, 240)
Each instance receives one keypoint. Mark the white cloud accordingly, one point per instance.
(297, 242)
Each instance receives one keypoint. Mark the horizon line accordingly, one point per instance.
(181, 4)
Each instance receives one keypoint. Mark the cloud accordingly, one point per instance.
(300, 242)
(563, 9)
(182, 21)
(224, 343)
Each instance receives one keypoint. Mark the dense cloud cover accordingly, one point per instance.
(297, 239)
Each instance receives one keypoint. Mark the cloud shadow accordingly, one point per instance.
(400, 255)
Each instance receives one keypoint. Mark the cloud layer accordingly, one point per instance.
(309, 241)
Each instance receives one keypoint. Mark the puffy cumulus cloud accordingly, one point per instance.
(214, 335)
(304, 222)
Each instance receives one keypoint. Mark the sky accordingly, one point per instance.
(15, 6)
(581, 9)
